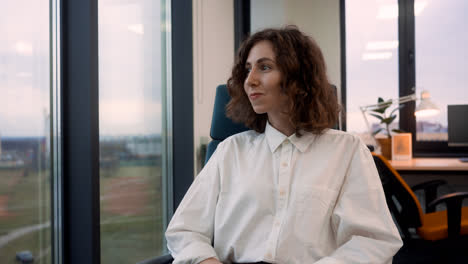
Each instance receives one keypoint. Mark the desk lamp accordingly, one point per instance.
(425, 108)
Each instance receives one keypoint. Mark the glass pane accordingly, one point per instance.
(371, 60)
(132, 70)
(441, 40)
(25, 177)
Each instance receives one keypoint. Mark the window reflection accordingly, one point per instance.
(132, 72)
(441, 41)
(25, 176)
(371, 60)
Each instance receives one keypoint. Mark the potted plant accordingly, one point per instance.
(385, 120)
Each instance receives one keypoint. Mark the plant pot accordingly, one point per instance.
(385, 147)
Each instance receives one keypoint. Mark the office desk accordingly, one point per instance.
(418, 170)
(430, 164)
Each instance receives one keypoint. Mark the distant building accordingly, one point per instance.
(431, 131)
(130, 147)
(430, 127)
(23, 151)
(144, 146)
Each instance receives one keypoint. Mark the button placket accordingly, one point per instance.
(285, 171)
(283, 193)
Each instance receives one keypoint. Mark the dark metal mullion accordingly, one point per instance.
(80, 131)
(343, 63)
(241, 22)
(406, 63)
(182, 96)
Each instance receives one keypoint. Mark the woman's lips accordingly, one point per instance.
(255, 96)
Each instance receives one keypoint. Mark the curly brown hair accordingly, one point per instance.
(313, 104)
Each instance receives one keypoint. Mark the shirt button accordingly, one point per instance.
(284, 164)
(282, 192)
(268, 255)
(277, 223)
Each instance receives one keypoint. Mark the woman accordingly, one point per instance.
(291, 190)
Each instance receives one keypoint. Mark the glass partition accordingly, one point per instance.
(133, 134)
(25, 132)
(371, 60)
(440, 40)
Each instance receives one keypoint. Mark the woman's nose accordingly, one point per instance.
(252, 78)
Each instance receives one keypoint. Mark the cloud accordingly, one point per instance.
(23, 111)
(129, 117)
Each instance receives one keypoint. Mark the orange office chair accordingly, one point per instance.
(430, 236)
(405, 207)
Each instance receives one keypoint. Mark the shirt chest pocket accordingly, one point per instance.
(314, 207)
(311, 197)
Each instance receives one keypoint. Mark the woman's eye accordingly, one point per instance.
(266, 67)
(248, 69)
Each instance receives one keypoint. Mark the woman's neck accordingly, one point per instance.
(281, 123)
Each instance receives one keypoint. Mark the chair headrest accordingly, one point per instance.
(222, 126)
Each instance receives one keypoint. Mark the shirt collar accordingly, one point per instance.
(276, 138)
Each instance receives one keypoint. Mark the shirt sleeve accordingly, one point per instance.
(364, 229)
(190, 231)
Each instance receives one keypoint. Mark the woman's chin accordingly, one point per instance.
(259, 111)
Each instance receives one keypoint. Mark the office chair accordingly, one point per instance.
(221, 128)
(439, 234)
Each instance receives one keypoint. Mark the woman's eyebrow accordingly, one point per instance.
(263, 59)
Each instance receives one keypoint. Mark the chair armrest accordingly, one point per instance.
(428, 184)
(165, 259)
(430, 191)
(453, 201)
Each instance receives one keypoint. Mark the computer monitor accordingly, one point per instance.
(457, 125)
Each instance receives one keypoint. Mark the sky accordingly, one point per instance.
(441, 40)
(130, 68)
(131, 62)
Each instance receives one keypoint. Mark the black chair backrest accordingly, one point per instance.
(222, 127)
(401, 200)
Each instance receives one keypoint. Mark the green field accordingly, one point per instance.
(131, 214)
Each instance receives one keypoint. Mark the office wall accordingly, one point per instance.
(318, 18)
(267, 13)
(213, 49)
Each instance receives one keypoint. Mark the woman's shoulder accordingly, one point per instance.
(248, 136)
(338, 143)
(338, 136)
(239, 142)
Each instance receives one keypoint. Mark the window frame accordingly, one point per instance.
(80, 131)
(78, 199)
(407, 80)
(241, 22)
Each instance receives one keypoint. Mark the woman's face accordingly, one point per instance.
(263, 82)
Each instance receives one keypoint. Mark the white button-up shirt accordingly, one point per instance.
(269, 197)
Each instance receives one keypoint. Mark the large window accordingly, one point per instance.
(396, 48)
(25, 176)
(371, 60)
(132, 86)
(68, 94)
(441, 40)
